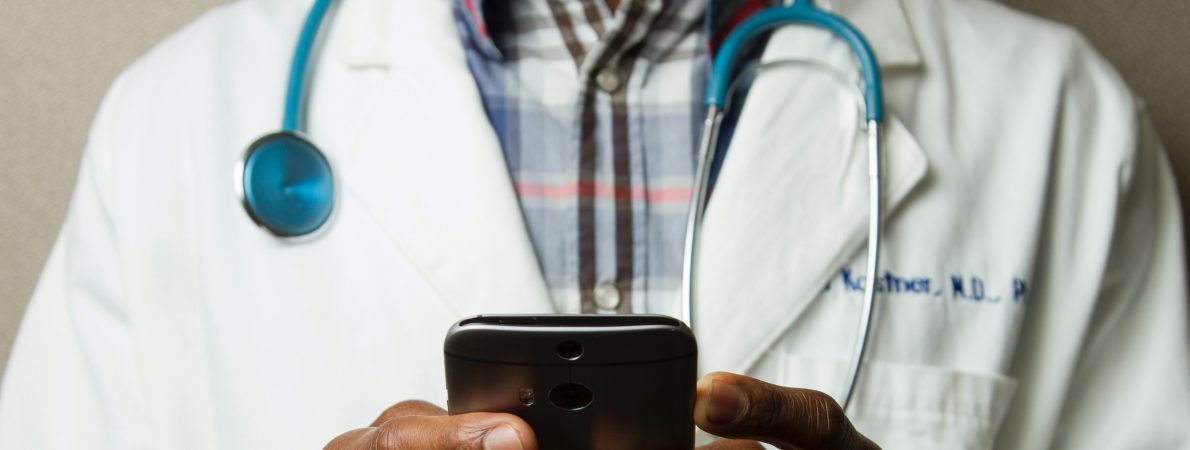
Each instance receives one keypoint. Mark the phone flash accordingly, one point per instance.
(526, 396)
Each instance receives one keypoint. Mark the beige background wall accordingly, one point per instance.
(58, 56)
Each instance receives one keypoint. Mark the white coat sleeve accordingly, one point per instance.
(71, 382)
(1103, 356)
(1131, 385)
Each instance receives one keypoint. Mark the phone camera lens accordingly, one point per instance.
(571, 396)
(570, 350)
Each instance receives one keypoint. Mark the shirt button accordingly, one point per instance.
(608, 79)
(607, 296)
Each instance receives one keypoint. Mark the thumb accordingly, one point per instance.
(472, 431)
(741, 407)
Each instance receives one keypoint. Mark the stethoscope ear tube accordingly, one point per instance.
(719, 87)
(699, 197)
(875, 216)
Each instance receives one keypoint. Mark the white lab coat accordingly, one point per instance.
(1035, 296)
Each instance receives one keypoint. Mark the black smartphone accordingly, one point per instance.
(581, 381)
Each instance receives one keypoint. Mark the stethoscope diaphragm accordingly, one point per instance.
(286, 184)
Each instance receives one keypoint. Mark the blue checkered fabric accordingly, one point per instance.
(598, 114)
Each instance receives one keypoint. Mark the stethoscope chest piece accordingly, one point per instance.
(286, 185)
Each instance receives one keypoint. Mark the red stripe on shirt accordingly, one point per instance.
(479, 24)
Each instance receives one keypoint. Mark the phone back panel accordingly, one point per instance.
(581, 381)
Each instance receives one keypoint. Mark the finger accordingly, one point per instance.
(737, 406)
(408, 408)
(732, 444)
(348, 440)
(488, 431)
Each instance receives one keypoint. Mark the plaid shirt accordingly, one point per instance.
(598, 113)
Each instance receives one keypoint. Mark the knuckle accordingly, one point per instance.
(390, 413)
(464, 429)
(407, 404)
(417, 407)
(413, 424)
(801, 418)
(776, 411)
(828, 422)
(347, 440)
(389, 436)
(408, 432)
(384, 438)
(408, 408)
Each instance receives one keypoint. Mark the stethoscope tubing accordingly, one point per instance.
(719, 87)
(295, 90)
(802, 12)
(286, 223)
(697, 210)
(875, 222)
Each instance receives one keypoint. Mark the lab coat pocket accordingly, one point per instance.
(908, 406)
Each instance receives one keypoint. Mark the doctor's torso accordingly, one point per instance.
(239, 338)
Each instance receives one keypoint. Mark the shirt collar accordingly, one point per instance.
(884, 22)
(472, 15)
(483, 22)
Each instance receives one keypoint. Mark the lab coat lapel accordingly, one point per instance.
(427, 166)
(790, 205)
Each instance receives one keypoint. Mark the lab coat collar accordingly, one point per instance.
(887, 28)
(366, 30)
(366, 24)
(427, 167)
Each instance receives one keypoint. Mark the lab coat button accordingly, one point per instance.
(608, 79)
(607, 296)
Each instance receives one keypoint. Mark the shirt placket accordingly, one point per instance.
(604, 73)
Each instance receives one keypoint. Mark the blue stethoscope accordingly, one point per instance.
(288, 188)
(284, 181)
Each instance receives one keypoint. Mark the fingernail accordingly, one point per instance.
(502, 437)
(725, 402)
